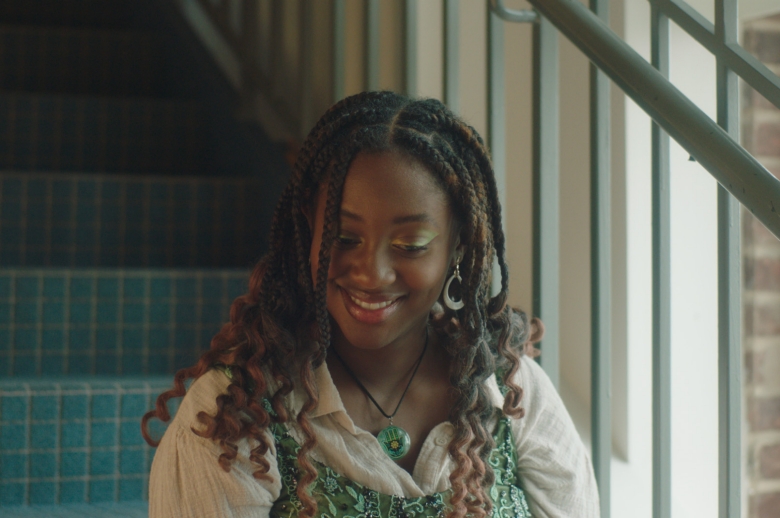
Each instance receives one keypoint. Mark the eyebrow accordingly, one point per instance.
(411, 218)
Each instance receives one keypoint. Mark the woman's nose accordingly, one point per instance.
(373, 268)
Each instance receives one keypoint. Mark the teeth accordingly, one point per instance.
(371, 306)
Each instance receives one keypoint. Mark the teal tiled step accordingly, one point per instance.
(102, 134)
(79, 61)
(121, 510)
(84, 220)
(106, 321)
(75, 440)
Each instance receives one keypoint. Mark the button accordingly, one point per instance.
(442, 441)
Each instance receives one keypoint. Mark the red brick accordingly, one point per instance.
(759, 234)
(766, 321)
(767, 140)
(764, 414)
(766, 274)
(765, 505)
(770, 461)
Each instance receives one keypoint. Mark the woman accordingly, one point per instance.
(368, 372)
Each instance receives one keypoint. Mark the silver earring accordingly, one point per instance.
(453, 304)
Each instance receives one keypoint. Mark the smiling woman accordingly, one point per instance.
(368, 372)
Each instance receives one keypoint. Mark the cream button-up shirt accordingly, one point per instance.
(186, 481)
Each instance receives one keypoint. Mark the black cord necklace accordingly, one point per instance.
(395, 441)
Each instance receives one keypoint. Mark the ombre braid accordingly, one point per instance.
(279, 331)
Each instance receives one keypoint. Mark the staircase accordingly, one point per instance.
(132, 206)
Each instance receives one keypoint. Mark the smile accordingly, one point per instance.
(372, 306)
(370, 312)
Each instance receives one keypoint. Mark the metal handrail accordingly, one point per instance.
(513, 15)
(731, 165)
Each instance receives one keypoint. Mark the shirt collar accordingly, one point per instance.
(330, 400)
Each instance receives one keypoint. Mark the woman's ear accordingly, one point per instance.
(458, 252)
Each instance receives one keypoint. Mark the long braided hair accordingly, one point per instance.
(279, 331)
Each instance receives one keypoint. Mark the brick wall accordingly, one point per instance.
(761, 259)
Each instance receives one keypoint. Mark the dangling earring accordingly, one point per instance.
(453, 304)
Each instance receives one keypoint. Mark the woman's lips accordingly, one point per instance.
(369, 312)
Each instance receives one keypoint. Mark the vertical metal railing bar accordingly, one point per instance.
(662, 284)
(452, 54)
(729, 286)
(306, 17)
(339, 48)
(496, 118)
(410, 47)
(279, 83)
(755, 73)
(546, 193)
(373, 40)
(600, 266)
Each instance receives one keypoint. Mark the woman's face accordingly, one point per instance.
(395, 245)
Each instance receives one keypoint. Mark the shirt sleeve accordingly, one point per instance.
(555, 470)
(186, 480)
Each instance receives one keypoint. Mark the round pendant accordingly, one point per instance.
(395, 441)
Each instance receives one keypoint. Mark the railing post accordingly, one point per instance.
(451, 54)
(546, 193)
(496, 119)
(662, 311)
(600, 257)
(729, 288)
(373, 40)
(410, 47)
(339, 47)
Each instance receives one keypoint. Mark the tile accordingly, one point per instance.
(80, 312)
(159, 313)
(107, 287)
(27, 287)
(12, 437)
(106, 339)
(133, 364)
(133, 313)
(54, 287)
(211, 289)
(160, 288)
(52, 364)
(132, 339)
(131, 489)
(134, 288)
(131, 433)
(103, 434)
(107, 313)
(132, 461)
(43, 464)
(53, 340)
(25, 365)
(106, 363)
(73, 463)
(74, 406)
(134, 405)
(13, 465)
(14, 408)
(102, 463)
(73, 435)
(5, 286)
(81, 287)
(104, 405)
(26, 313)
(73, 491)
(186, 313)
(45, 407)
(43, 493)
(25, 339)
(79, 364)
(53, 312)
(186, 288)
(79, 340)
(12, 493)
(43, 436)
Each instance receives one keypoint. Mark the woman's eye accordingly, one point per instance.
(346, 241)
(412, 248)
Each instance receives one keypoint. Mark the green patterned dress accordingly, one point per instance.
(339, 497)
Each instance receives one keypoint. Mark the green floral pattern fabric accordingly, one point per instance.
(339, 497)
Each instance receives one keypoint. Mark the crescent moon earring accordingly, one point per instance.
(453, 304)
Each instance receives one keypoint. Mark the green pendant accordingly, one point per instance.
(395, 441)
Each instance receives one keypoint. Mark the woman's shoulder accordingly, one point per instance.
(201, 396)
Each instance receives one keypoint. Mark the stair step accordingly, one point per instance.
(50, 219)
(79, 61)
(101, 134)
(75, 441)
(120, 510)
(110, 322)
(75, 13)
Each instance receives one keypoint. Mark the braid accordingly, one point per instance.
(280, 330)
